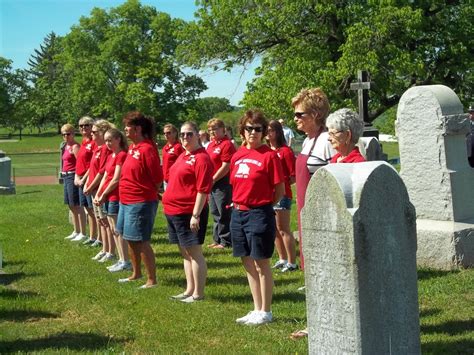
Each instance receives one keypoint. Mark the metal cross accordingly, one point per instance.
(362, 86)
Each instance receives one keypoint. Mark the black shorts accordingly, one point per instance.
(179, 231)
(253, 232)
(71, 191)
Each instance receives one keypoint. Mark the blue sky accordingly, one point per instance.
(25, 23)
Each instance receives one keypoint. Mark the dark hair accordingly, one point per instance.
(278, 129)
(147, 123)
(253, 117)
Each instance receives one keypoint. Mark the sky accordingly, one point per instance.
(25, 23)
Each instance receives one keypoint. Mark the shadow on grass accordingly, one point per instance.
(11, 263)
(455, 327)
(21, 316)
(7, 279)
(425, 274)
(63, 341)
(429, 312)
(168, 254)
(30, 192)
(14, 294)
(460, 346)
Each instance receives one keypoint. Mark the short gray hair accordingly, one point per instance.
(86, 120)
(346, 120)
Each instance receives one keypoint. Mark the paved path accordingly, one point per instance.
(36, 180)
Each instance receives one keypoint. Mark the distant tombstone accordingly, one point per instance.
(6, 185)
(360, 255)
(373, 149)
(431, 129)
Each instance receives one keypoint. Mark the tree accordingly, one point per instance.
(48, 98)
(123, 59)
(306, 43)
(207, 107)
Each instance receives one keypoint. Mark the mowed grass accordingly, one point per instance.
(55, 299)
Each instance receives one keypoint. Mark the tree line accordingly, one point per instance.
(134, 57)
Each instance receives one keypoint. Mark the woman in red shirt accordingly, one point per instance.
(139, 185)
(285, 241)
(69, 150)
(257, 181)
(108, 192)
(186, 210)
(171, 150)
(94, 176)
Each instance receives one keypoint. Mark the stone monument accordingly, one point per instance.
(360, 255)
(6, 184)
(431, 129)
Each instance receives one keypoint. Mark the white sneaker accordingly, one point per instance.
(246, 318)
(80, 237)
(114, 265)
(280, 264)
(120, 266)
(107, 257)
(99, 255)
(260, 318)
(72, 236)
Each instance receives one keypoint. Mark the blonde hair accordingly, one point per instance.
(67, 128)
(86, 120)
(215, 122)
(103, 125)
(117, 134)
(313, 101)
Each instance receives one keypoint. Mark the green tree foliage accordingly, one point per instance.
(48, 97)
(203, 109)
(123, 59)
(307, 43)
(14, 108)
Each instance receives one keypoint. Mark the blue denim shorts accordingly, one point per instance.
(71, 192)
(135, 221)
(112, 208)
(85, 200)
(179, 231)
(253, 232)
(283, 204)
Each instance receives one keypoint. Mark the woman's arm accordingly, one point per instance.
(221, 172)
(197, 209)
(279, 192)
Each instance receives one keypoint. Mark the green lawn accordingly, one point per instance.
(54, 299)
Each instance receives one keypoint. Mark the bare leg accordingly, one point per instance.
(254, 281)
(112, 221)
(75, 217)
(266, 283)
(82, 220)
(280, 247)
(283, 227)
(199, 269)
(148, 257)
(93, 233)
(136, 260)
(188, 271)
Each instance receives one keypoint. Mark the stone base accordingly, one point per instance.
(8, 190)
(445, 245)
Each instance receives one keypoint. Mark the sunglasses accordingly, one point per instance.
(250, 129)
(66, 134)
(186, 134)
(95, 132)
(84, 125)
(300, 114)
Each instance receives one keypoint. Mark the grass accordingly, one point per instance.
(54, 299)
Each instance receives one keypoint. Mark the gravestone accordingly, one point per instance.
(431, 129)
(360, 255)
(6, 185)
(373, 149)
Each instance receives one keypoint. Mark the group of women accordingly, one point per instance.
(247, 190)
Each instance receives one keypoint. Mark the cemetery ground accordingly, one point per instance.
(55, 299)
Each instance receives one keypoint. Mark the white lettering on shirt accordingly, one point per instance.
(243, 171)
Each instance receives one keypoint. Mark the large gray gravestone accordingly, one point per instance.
(360, 256)
(431, 129)
(6, 185)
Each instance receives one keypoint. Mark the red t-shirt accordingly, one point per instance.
(68, 158)
(220, 151)
(84, 156)
(190, 174)
(112, 161)
(141, 174)
(254, 174)
(98, 161)
(353, 157)
(170, 153)
(288, 161)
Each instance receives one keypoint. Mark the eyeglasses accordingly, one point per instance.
(334, 134)
(84, 125)
(166, 133)
(66, 134)
(186, 134)
(250, 129)
(300, 114)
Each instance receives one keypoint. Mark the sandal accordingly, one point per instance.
(299, 334)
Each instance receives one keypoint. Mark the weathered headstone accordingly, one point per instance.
(360, 255)
(373, 149)
(431, 129)
(6, 185)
